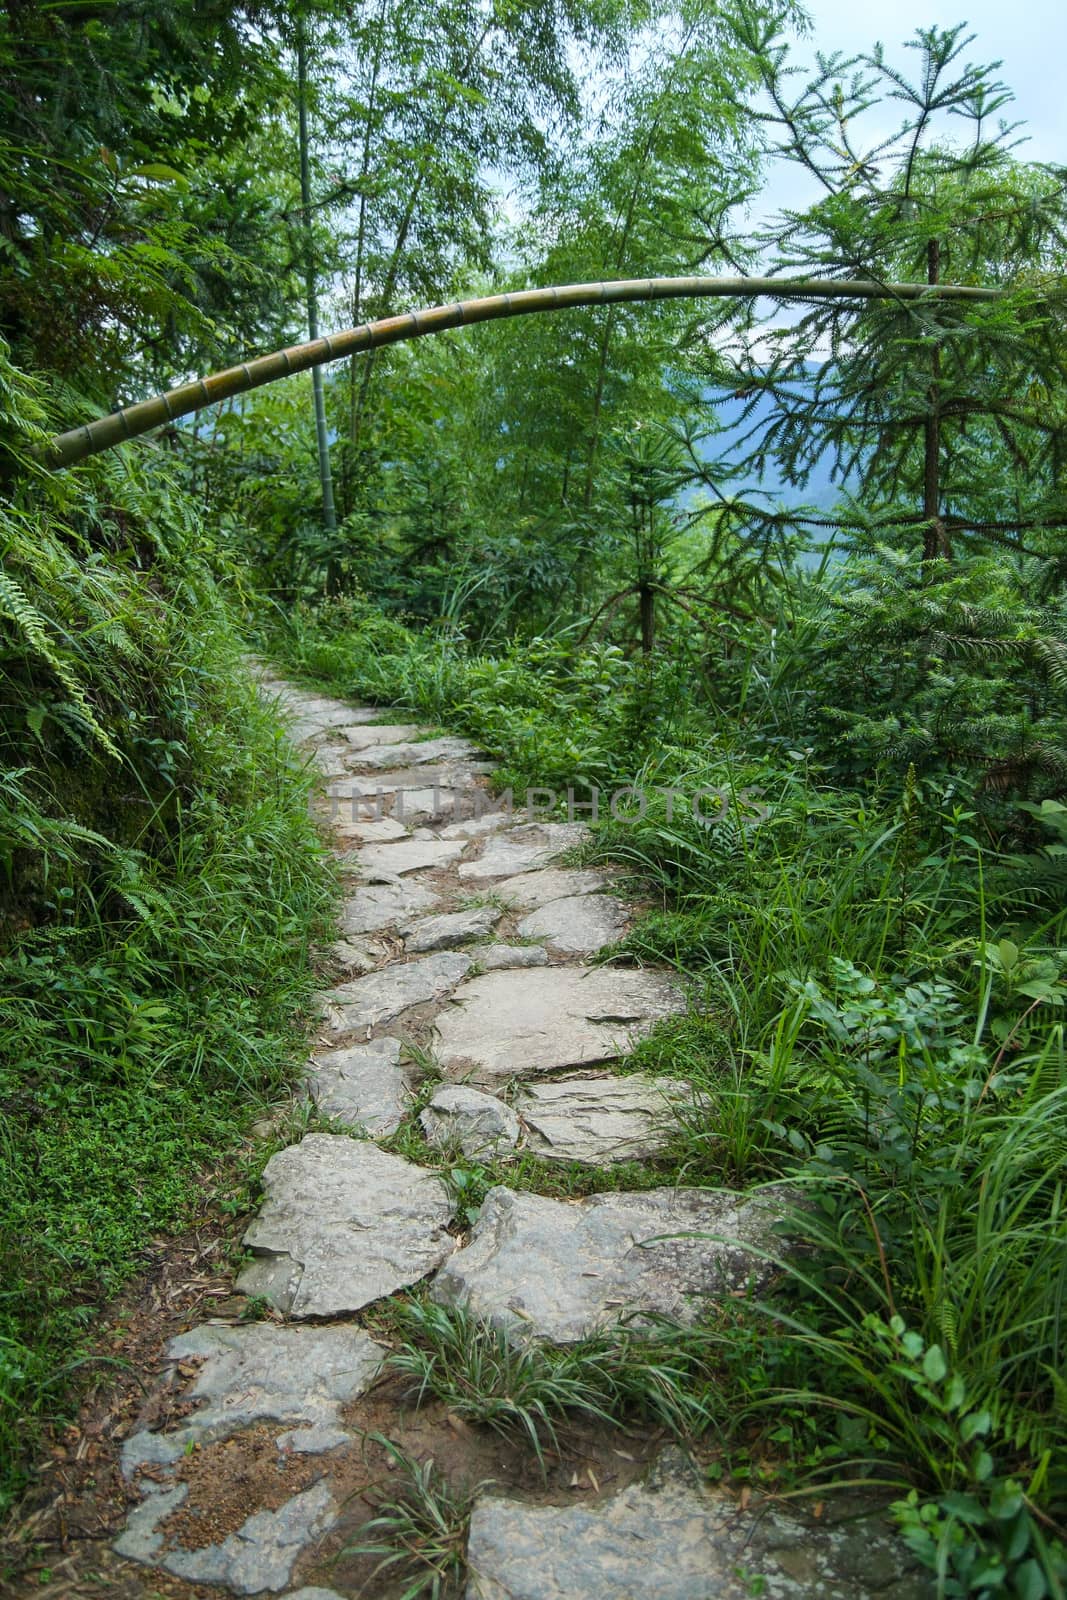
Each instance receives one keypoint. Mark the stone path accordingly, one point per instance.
(465, 1009)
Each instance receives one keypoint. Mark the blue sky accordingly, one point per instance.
(1028, 36)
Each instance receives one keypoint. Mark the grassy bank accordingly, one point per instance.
(161, 888)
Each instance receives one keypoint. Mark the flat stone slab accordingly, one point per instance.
(478, 1124)
(515, 1024)
(365, 735)
(343, 1224)
(529, 890)
(455, 927)
(412, 855)
(600, 1120)
(418, 754)
(578, 924)
(564, 1270)
(381, 905)
(260, 1555)
(259, 1372)
(365, 787)
(521, 849)
(501, 957)
(366, 830)
(674, 1539)
(381, 996)
(487, 822)
(362, 1085)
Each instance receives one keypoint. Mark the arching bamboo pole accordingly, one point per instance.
(132, 421)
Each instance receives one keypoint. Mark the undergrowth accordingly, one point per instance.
(161, 889)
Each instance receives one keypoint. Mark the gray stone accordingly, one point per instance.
(579, 924)
(260, 1555)
(426, 750)
(600, 1120)
(499, 957)
(479, 1124)
(521, 849)
(259, 1372)
(357, 955)
(515, 1024)
(366, 830)
(455, 927)
(314, 1593)
(532, 889)
(674, 1539)
(377, 906)
(365, 735)
(362, 1085)
(343, 1224)
(413, 855)
(563, 1270)
(371, 789)
(379, 997)
(487, 822)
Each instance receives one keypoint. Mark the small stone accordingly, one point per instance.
(366, 830)
(499, 957)
(600, 1120)
(362, 1085)
(365, 735)
(378, 906)
(533, 844)
(426, 750)
(381, 996)
(532, 889)
(565, 1270)
(455, 927)
(413, 855)
(476, 1123)
(579, 924)
(356, 955)
(515, 1024)
(487, 822)
(343, 1224)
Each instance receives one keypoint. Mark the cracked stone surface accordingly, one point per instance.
(579, 924)
(260, 1555)
(488, 822)
(343, 1224)
(380, 905)
(417, 755)
(499, 957)
(363, 1085)
(600, 1120)
(529, 890)
(514, 1024)
(259, 1372)
(382, 995)
(533, 844)
(563, 1270)
(366, 830)
(363, 735)
(478, 1124)
(357, 955)
(455, 927)
(671, 1538)
(413, 855)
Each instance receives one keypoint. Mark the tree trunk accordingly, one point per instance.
(329, 513)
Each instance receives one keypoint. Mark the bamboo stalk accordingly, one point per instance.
(133, 421)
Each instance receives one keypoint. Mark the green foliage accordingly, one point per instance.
(161, 888)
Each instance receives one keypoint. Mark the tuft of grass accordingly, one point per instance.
(421, 1533)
